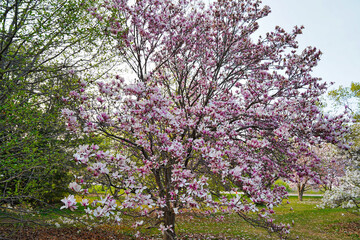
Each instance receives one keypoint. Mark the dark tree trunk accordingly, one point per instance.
(301, 190)
(169, 219)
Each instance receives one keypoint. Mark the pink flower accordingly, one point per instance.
(75, 187)
(163, 228)
(85, 202)
(70, 203)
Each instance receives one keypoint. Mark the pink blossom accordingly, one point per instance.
(75, 187)
(70, 203)
(85, 202)
(163, 228)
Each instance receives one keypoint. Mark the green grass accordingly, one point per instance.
(310, 222)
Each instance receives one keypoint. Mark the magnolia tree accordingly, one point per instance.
(347, 193)
(207, 102)
(332, 166)
(322, 167)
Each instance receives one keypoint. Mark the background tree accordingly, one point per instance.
(332, 166)
(327, 165)
(347, 193)
(347, 96)
(45, 46)
(207, 101)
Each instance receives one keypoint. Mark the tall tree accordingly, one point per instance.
(207, 102)
(44, 45)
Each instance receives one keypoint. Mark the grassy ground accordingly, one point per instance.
(309, 223)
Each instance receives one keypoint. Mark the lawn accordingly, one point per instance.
(309, 223)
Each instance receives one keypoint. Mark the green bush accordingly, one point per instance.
(280, 182)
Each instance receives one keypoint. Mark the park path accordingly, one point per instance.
(306, 195)
(290, 194)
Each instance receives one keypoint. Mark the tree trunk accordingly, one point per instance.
(169, 214)
(301, 190)
(169, 219)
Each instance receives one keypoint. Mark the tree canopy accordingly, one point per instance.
(207, 102)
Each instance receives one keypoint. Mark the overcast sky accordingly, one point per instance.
(333, 26)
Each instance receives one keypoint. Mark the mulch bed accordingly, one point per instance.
(71, 233)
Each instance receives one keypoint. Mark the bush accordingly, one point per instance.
(280, 182)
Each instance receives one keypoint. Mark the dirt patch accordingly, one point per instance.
(71, 233)
(350, 228)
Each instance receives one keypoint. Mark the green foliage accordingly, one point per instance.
(32, 151)
(349, 96)
(41, 42)
(280, 182)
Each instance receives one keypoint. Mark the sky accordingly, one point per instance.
(333, 26)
